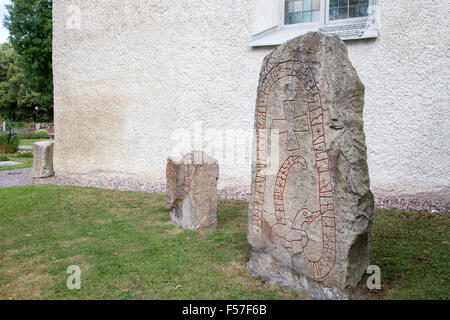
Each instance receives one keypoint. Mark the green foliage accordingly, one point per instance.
(26, 135)
(24, 155)
(34, 135)
(24, 163)
(41, 134)
(17, 100)
(4, 157)
(9, 142)
(15, 125)
(30, 26)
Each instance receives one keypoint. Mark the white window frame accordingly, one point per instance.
(346, 29)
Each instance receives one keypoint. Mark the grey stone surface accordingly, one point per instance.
(192, 191)
(8, 163)
(43, 159)
(15, 178)
(310, 218)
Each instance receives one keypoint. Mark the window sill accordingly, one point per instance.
(346, 31)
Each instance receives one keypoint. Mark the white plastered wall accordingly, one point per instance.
(136, 72)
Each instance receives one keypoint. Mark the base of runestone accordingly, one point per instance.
(273, 272)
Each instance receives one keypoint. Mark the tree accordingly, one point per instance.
(30, 26)
(17, 100)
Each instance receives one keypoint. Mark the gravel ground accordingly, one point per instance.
(13, 178)
(433, 206)
(22, 177)
(237, 193)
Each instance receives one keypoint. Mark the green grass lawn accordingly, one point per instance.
(25, 163)
(127, 248)
(29, 142)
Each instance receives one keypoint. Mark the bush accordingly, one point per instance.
(39, 134)
(9, 142)
(3, 157)
(25, 155)
(26, 135)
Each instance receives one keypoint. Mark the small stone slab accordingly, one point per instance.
(43, 159)
(9, 163)
(192, 191)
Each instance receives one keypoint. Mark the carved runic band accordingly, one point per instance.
(289, 126)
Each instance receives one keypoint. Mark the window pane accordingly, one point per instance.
(344, 9)
(297, 17)
(289, 7)
(301, 11)
(315, 16)
(306, 5)
(334, 14)
(316, 5)
(363, 10)
(292, 6)
(354, 11)
(343, 13)
(334, 3)
(306, 17)
(292, 18)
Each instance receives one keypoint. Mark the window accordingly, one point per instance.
(344, 9)
(349, 19)
(301, 11)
